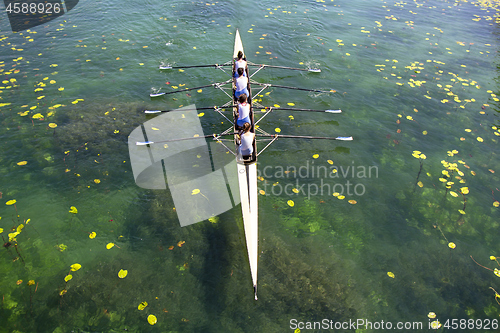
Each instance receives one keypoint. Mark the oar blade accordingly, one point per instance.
(344, 138)
(156, 94)
(165, 67)
(315, 70)
(144, 143)
(333, 111)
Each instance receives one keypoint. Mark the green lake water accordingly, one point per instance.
(394, 244)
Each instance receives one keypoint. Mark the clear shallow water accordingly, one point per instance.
(321, 258)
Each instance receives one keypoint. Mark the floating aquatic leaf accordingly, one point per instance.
(75, 267)
(142, 306)
(277, 130)
(497, 272)
(64, 291)
(464, 190)
(11, 202)
(22, 163)
(496, 204)
(201, 114)
(315, 155)
(12, 236)
(493, 258)
(420, 184)
(352, 202)
(461, 211)
(31, 282)
(52, 125)
(195, 191)
(110, 245)
(452, 245)
(335, 194)
(290, 203)
(92, 235)
(73, 210)
(453, 194)
(68, 277)
(341, 197)
(262, 192)
(180, 243)
(18, 282)
(294, 190)
(19, 228)
(61, 88)
(330, 161)
(152, 319)
(431, 315)
(122, 273)
(391, 275)
(436, 324)
(480, 139)
(97, 181)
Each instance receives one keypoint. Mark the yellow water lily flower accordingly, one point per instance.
(73, 210)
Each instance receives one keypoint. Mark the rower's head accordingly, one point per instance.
(240, 71)
(240, 55)
(246, 127)
(242, 98)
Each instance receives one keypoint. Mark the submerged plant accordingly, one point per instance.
(418, 155)
(495, 271)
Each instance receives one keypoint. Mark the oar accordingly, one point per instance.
(193, 66)
(313, 70)
(182, 139)
(341, 138)
(294, 88)
(306, 110)
(160, 111)
(188, 89)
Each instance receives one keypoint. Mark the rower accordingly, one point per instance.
(243, 111)
(241, 84)
(240, 63)
(246, 145)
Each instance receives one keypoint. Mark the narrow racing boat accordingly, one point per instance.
(247, 178)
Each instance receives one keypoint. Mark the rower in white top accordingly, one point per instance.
(240, 63)
(243, 111)
(246, 145)
(241, 83)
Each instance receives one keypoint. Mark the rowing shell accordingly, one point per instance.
(247, 180)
